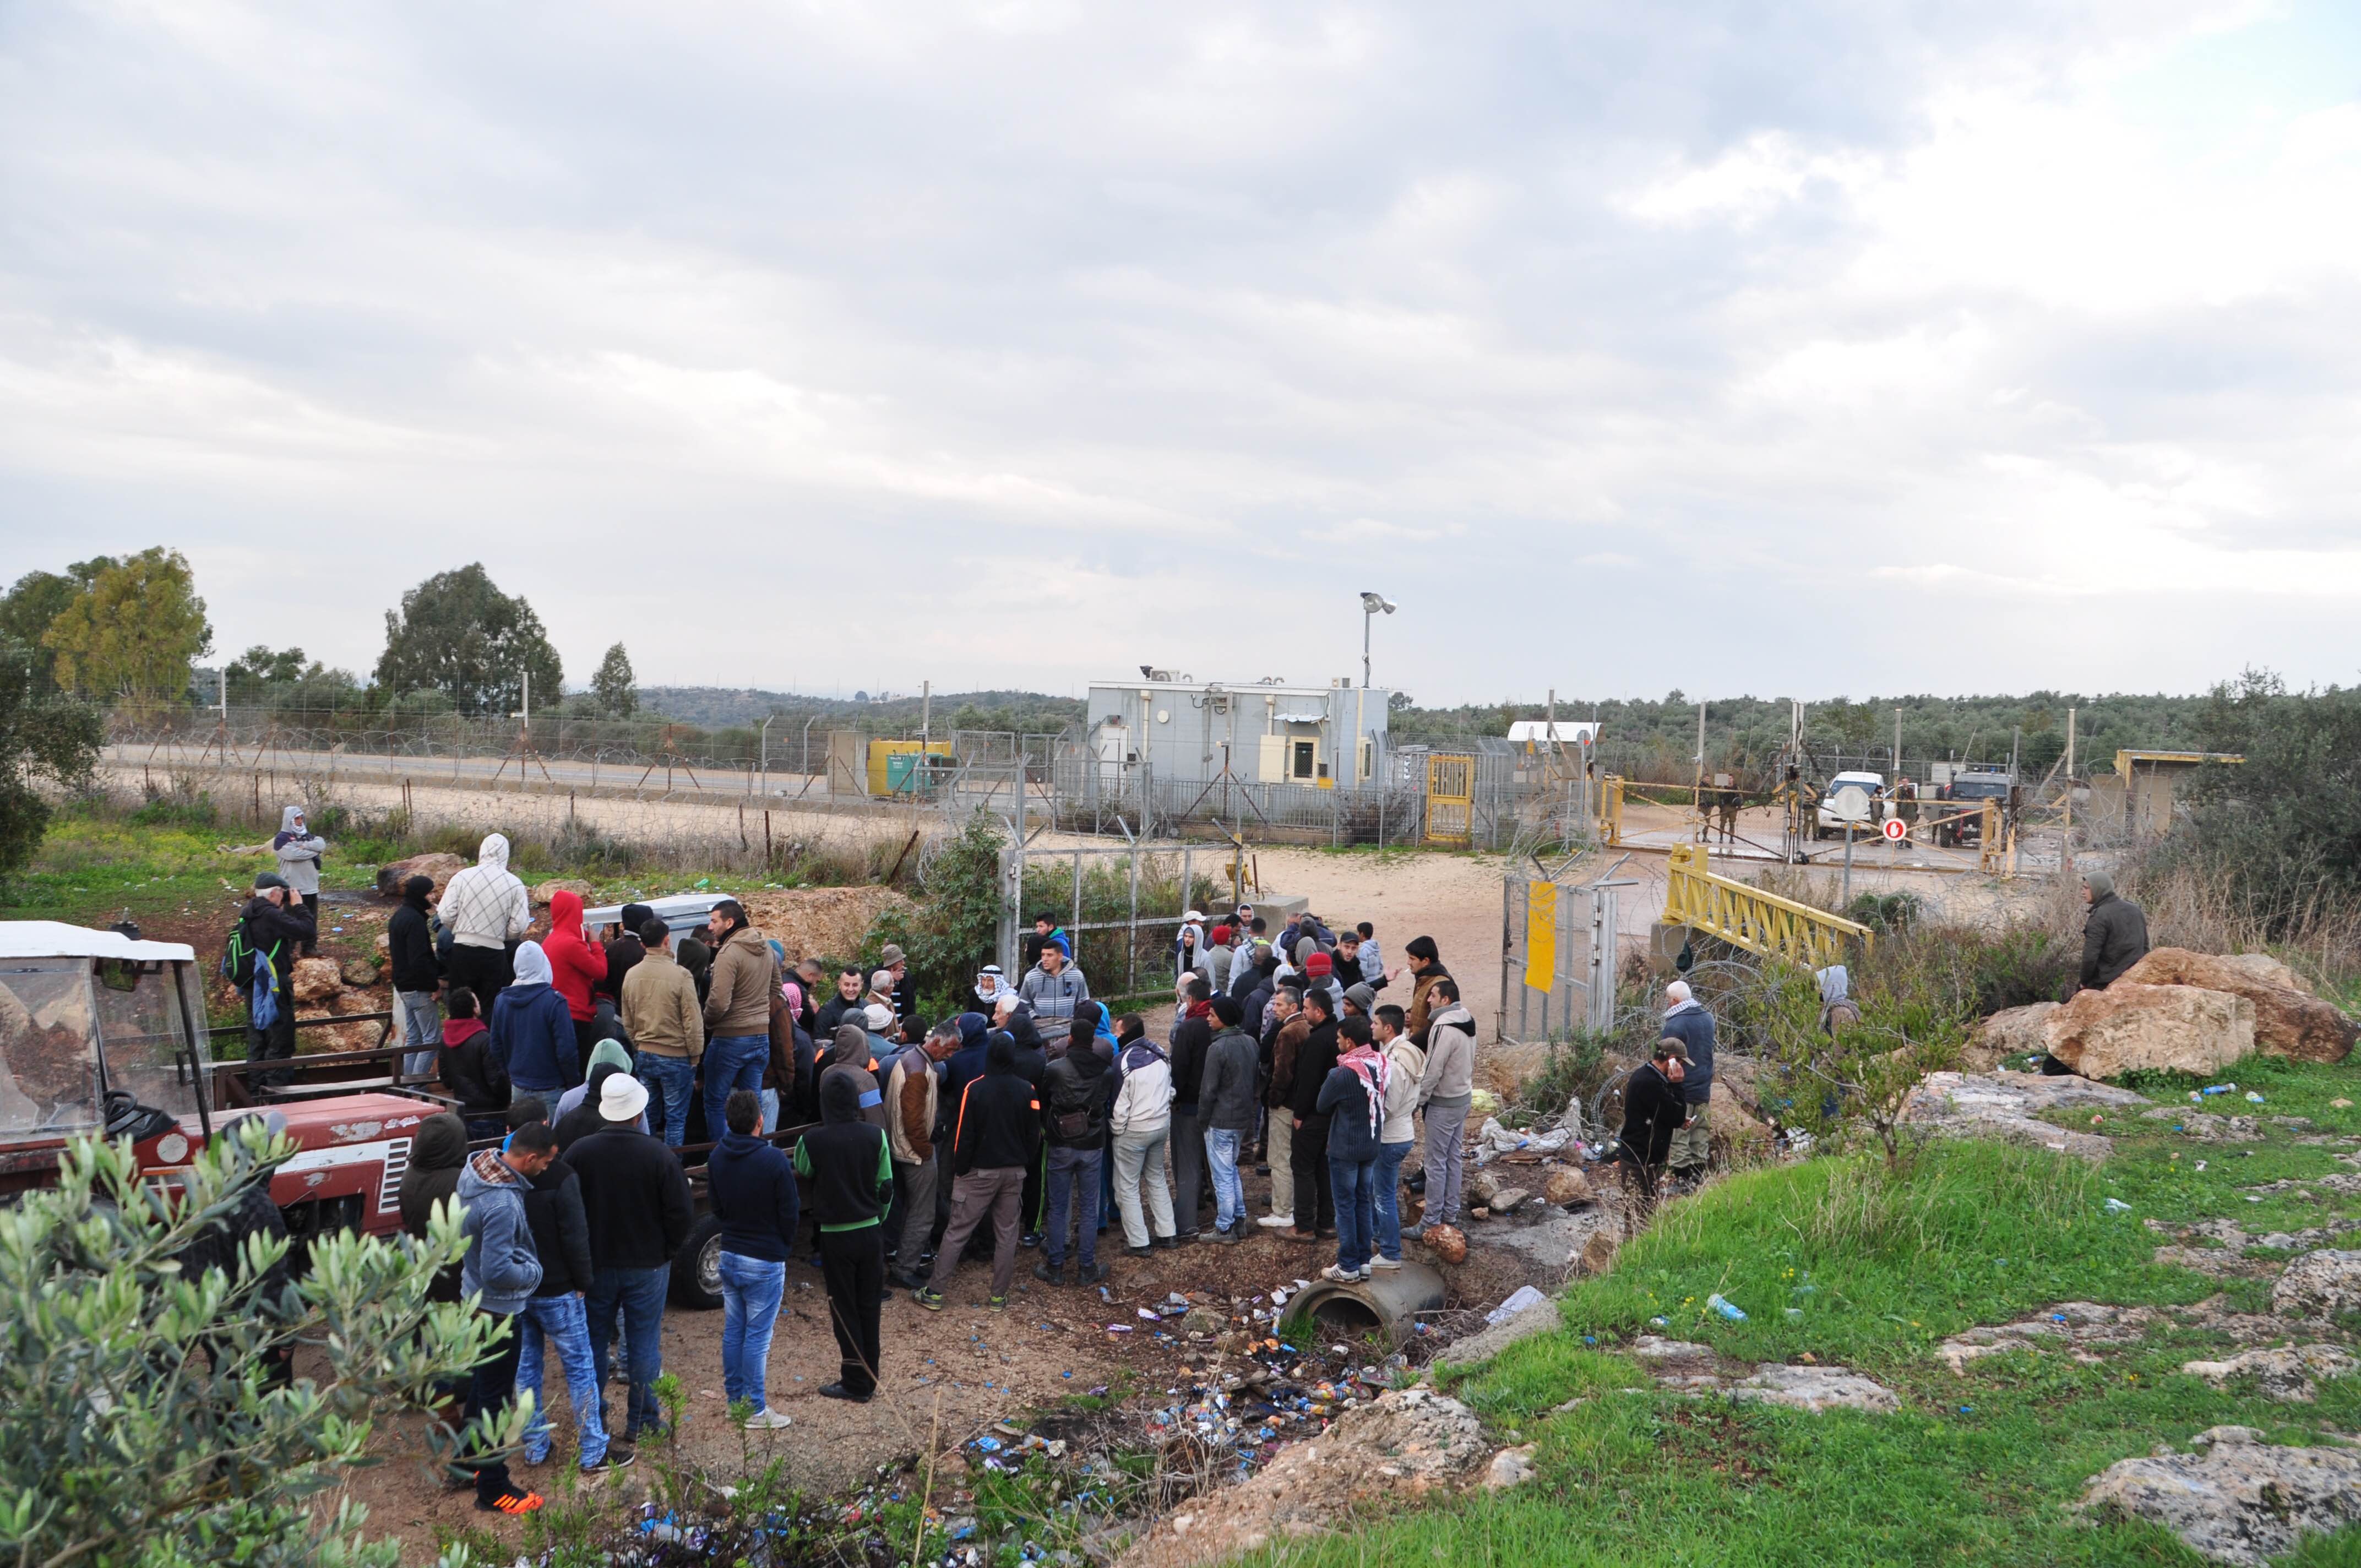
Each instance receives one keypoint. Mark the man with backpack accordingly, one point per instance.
(260, 961)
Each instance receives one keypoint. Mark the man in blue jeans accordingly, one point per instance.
(635, 1200)
(745, 976)
(753, 1190)
(668, 1028)
(1226, 1108)
(1353, 1098)
(553, 1315)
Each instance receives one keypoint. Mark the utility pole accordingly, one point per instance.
(926, 713)
(766, 763)
(1897, 746)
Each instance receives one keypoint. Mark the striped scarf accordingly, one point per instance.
(1374, 1071)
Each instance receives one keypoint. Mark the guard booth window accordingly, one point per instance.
(1305, 750)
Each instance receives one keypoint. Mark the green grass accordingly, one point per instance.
(164, 862)
(89, 867)
(1981, 1469)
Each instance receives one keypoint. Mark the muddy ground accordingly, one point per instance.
(950, 1376)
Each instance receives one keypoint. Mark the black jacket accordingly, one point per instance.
(1076, 1087)
(635, 1196)
(584, 1119)
(561, 1231)
(1191, 1037)
(279, 932)
(846, 1165)
(1652, 1111)
(997, 1126)
(2114, 938)
(1257, 1007)
(832, 1013)
(697, 959)
(1313, 1059)
(410, 947)
(471, 1070)
(623, 955)
(753, 1190)
(1229, 1092)
(436, 1154)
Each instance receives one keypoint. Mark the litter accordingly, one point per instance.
(1730, 1309)
(1524, 1297)
(2253, 1098)
(2117, 1206)
(1495, 1140)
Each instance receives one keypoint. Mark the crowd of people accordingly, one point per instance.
(582, 1062)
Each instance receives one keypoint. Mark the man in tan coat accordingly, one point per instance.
(737, 1009)
(660, 1015)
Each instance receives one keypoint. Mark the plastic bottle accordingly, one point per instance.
(1730, 1309)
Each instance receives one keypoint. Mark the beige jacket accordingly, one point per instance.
(660, 1008)
(1401, 1090)
(738, 999)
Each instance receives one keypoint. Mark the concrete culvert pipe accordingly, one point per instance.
(1388, 1302)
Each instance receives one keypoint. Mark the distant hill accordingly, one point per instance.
(716, 707)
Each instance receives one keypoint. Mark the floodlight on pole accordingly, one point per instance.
(1371, 603)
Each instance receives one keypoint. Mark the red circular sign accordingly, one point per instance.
(1896, 829)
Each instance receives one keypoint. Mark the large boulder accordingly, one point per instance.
(2237, 1499)
(441, 868)
(543, 892)
(316, 980)
(2290, 1021)
(2007, 1037)
(2129, 1028)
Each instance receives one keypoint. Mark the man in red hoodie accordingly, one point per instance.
(576, 965)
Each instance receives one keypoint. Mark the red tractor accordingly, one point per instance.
(100, 1032)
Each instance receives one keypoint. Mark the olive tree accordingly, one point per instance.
(138, 1425)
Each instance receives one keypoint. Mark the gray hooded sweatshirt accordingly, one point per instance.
(501, 1264)
(299, 851)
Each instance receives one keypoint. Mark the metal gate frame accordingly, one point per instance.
(1564, 935)
(1020, 864)
(1451, 798)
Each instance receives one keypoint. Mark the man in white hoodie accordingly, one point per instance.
(1408, 1064)
(485, 911)
(1142, 1124)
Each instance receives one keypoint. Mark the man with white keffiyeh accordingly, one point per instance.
(1353, 1098)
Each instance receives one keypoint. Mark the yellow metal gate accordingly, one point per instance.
(1451, 800)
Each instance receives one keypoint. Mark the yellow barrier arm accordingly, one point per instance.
(1751, 918)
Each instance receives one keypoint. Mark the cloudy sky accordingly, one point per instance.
(1865, 347)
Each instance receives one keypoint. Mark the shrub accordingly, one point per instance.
(137, 1426)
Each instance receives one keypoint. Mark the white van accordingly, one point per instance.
(1854, 798)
